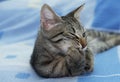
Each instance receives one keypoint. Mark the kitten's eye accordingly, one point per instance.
(57, 41)
(71, 35)
(84, 34)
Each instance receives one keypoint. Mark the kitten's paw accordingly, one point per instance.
(89, 68)
(71, 49)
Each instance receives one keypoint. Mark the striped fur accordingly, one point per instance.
(64, 48)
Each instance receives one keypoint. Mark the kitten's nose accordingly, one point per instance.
(83, 42)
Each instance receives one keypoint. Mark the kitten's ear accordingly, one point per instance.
(49, 19)
(76, 13)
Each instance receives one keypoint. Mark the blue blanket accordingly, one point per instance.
(19, 24)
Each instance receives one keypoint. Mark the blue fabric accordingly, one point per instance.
(107, 14)
(19, 24)
(106, 68)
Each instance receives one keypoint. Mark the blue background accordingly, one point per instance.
(20, 22)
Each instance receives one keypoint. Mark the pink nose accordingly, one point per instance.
(83, 42)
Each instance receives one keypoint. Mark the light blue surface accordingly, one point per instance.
(19, 24)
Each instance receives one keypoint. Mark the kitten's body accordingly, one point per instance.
(64, 48)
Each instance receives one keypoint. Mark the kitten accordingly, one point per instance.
(64, 48)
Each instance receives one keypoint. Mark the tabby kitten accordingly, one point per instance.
(64, 48)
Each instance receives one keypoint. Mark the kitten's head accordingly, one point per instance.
(62, 32)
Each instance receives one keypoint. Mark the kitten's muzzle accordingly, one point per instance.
(83, 42)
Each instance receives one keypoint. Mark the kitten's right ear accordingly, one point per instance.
(76, 13)
(49, 19)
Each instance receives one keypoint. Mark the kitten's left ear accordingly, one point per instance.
(49, 19)
(76, 13)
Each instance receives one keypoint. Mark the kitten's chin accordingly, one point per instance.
(84, 48)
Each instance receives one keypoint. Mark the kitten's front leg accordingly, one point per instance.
(75, 61)
(89, 60)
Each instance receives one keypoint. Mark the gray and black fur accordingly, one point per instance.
(64, 48)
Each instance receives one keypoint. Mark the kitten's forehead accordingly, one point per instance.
(72, 22)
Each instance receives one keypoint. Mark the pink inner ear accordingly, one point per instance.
(48, 24)
(48, 14)
(48, 19)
